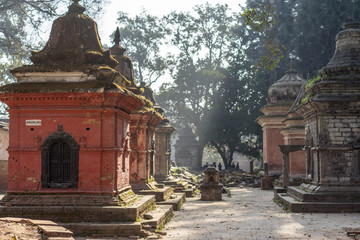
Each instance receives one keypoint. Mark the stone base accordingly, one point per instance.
(161, 215)
(176, 203)
(211, 192)
(319, 199)
(67, 213)
(267, 183)
(161, 194)
(106, 229)
(65, 199)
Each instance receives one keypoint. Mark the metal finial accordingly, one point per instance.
(291, 64)
(76, 1)
(117, 36)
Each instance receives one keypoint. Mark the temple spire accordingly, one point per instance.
(117, 37)
(76, 8)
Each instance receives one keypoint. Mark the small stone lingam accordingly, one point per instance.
(211, 189)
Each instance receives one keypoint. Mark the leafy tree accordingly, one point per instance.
(203, 43)
(142, 36)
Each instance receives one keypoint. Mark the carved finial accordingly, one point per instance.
(76, 8)
(60, 128)
(291, 64)
(117, 36)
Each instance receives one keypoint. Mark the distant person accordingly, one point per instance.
(206, 165)
(237, 166)
(219, 166)
(233, 165)
(214, 164)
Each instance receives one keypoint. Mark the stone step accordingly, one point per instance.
(188, 192)
(60, 238)
(80, 214)
(161, 215)
(294, 205)
(161, 194)
(176, 203)
(123, 229)
(55, 231)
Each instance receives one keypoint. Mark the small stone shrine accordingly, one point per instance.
(281, 96)
(163, 133)
(211, 188)
(69, 141)
(331, 109)
(187, 149)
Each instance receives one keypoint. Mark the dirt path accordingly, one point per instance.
(251, 214)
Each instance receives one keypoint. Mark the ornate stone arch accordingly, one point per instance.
(60, 160)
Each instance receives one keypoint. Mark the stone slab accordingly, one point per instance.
(161, 215)
(106, 229)
(12, 219)
(55, 231)
(161, 194)
(80, 214)
(60, 238)
(176, 203)
(295, 206)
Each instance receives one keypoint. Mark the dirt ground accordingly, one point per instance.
(248, 214)
(18, 231)
(251, 214)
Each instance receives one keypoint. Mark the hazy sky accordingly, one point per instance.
(154, 7)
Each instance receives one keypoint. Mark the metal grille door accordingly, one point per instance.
(60, 162)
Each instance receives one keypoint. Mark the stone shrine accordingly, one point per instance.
(211, 188)
(281, 96)
(187, 149)
(163, 133)
(69, 136)
(331, 109)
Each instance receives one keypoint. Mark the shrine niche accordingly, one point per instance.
(60, 161)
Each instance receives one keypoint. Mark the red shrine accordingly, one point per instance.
(69, 115)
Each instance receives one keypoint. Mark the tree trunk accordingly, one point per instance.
(222, 153)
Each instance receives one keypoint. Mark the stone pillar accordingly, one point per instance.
(286, 151)
(162, 150)
(294, 134)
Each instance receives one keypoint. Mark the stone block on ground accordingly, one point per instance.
(176, 202)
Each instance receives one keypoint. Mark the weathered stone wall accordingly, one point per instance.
(331, 138)
(271, 151)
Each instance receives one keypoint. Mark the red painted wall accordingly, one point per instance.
(94, 120)
(271, 151)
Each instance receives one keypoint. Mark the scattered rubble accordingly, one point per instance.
(241, 179)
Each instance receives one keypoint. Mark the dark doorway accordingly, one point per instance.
(60, 161)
